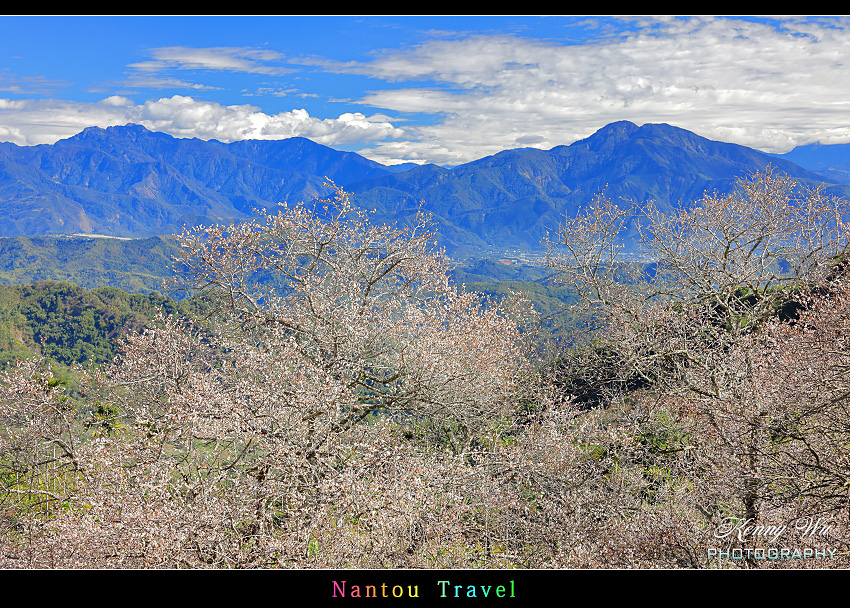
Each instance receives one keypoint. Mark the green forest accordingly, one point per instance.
(68, 324)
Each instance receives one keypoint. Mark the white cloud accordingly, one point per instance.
(11, 134)
(154, 73)
(157, 82)
(28, 85)
(233, 59)
(28, 122)
(769, 86)
(12, 104)
(43, 121)
(276, 92)
(117, 100)
(186, 117)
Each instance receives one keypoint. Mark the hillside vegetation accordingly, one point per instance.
(68, 324)
(355, 408)
(134, 265)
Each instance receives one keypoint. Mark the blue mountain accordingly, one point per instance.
(128, 181)
(511, 199)
(832, 161)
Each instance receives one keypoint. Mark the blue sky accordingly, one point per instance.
(440, 89)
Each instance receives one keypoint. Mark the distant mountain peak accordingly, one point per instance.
(832, 161)
(87, 133)
(130, 131)
(608, 136)
(618, 125)
(130, 127)
(662, 128)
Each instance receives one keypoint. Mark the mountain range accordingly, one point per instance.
(131, 182)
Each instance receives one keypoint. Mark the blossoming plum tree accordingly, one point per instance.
(693, 322)
(336, 359)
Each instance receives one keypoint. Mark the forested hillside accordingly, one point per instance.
(134, 265)
(68, 324)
